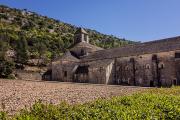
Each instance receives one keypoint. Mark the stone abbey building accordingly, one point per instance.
(155, 63)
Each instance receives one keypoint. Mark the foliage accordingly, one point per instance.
(22, 51)
(175, 90)
(6, 69)
(3, 49)
(138, 106)
(3, 116)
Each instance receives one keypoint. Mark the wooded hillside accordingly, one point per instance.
(33, 36)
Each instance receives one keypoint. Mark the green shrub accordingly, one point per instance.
(138, 106)
(6, 69)
(11, 76)
(153, 104)
(3, 116)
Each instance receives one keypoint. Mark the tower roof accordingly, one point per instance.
(80, 30)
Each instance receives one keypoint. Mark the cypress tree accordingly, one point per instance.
(22, 51)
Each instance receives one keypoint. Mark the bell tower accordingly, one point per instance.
(81, 36)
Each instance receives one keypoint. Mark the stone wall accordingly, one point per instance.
(157, 69)
(141, 70)
(27, 75)
(97, 75)
(63, 71)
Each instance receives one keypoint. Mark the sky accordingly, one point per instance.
(138, 20)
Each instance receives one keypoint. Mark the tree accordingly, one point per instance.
(3, 49)
(6, 69)
(41, 48)
(22, 51)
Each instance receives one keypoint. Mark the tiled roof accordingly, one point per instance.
(100, 63)
(163, 45)
(67, 57)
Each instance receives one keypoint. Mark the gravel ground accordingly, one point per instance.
(16, 94)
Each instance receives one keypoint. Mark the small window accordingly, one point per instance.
(161, 66)
(154, 57)
(177, 55)
(174, 82)
(65, 73)
(147, 66)
(83, 52)
(132, 60)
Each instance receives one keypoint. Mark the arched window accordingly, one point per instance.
(161, 65)
(65, 73)
(147, 66)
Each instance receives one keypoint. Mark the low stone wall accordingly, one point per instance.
(28, 75)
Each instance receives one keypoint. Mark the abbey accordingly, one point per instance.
(155, 63)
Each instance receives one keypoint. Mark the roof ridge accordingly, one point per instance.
(65, 56)
(85, 43)
(144, 43)
(163, 45)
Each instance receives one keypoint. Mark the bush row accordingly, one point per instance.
(146, 106)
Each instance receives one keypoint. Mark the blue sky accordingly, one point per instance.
(139, 20)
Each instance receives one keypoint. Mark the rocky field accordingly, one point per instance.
(17, 94)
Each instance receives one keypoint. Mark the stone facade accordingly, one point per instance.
(157, 69)
(155, 63)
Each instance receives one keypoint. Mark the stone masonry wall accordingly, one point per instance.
(140, 70)
(143, 71)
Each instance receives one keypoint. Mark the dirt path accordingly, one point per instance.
(16, 94)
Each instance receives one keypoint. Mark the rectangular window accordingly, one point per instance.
(177, 55)
(65, 73)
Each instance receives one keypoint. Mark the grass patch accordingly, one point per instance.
(157, 103)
